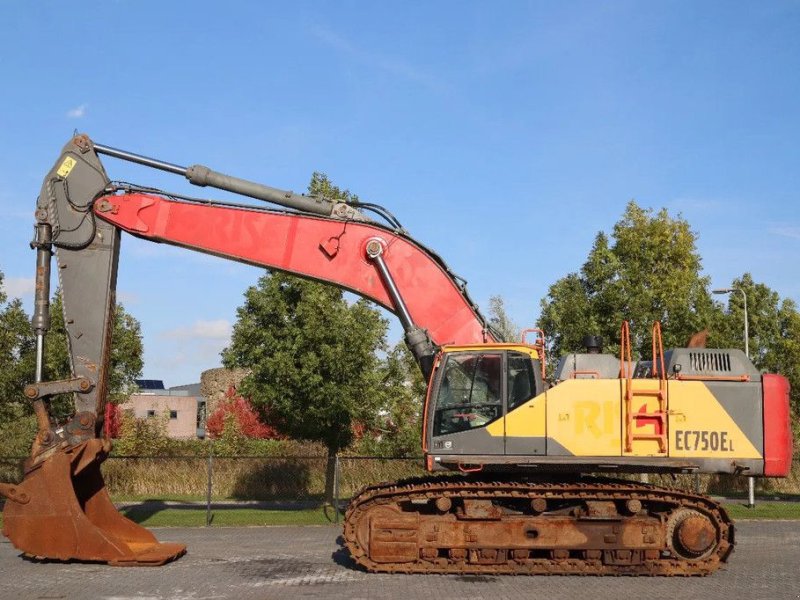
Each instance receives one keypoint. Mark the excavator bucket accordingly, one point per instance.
(62, 511)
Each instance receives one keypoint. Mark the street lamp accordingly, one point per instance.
(751, 497)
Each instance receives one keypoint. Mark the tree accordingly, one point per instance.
(312, 358)
(501, 322)
(312, 355)
(244, 416)
(125, 363)
(143, 437)
(649, 270)
(17, 355)
(774, 330)
(321, 185)
(402, 395)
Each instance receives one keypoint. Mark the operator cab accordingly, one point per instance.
(474, 387)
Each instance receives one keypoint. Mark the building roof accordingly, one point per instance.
(150, 384)
(192, 389)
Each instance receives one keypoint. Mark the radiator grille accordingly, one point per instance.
(710, 361)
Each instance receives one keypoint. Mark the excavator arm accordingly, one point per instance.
(488, 405)
(80, 215)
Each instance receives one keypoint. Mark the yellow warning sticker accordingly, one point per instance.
(66, 167)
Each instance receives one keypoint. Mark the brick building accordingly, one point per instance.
(182, 406)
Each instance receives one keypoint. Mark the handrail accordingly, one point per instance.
(539, 344)
(658, 352)
(625, 370)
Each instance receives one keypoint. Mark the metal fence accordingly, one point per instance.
(275, 481)
(298, 482)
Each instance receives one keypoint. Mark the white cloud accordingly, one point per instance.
(19, 287)
(77, 112)
(790, 232)
(388, 64)
(201, 330)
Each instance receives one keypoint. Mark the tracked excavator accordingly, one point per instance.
(509, 453)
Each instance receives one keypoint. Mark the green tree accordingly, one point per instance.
(126, 355)
(17, 357)
(312, 355)
(312, 358)
(774, 330)
(17, 350)
(649, 270)
(501, 322)
(402, 396)
(321, 185)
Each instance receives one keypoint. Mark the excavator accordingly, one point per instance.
(527, 472)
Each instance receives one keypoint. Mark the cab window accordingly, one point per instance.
(470, 392)
(521, 379)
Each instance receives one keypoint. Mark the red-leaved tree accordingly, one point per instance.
(246, 418)
(112, 420)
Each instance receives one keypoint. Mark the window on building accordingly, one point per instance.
(151, 413)
(173, 414)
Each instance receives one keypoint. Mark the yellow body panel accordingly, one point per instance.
(586, 418)
(700, 427)
(527, 420)
(583, 416)
(524, 348)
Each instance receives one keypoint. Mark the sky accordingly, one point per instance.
(502, 135)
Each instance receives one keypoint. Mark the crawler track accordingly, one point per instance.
(585, 526)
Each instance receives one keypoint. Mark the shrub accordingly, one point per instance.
(143, 437)
(237, 411)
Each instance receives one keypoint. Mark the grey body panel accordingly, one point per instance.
(87, 252)
(534, 446)
(470, 441)
(710, 362)
(743, 402)
(581, 366)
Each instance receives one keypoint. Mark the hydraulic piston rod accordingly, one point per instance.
(417, 339)
(203, 176)
(41, 314)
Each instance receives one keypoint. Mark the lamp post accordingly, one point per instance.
(751, 496)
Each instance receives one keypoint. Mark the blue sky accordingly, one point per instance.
(502, 135)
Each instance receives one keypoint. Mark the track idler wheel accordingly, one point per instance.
(691, 534)
(62, 511)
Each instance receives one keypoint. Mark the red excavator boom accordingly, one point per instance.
(325, 249)
(61, 509)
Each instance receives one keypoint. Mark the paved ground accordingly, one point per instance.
(307, 562)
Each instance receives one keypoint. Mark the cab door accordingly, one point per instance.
(468, 412)
(525, 423)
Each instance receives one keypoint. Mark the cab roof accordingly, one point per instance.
(494, 347)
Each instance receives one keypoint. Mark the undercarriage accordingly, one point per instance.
(582, 526)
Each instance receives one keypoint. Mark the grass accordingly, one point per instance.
(226, 517)
(187, 498)
(230, 517)
(764, 510)
(156, 514)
